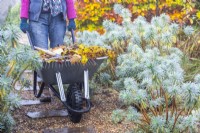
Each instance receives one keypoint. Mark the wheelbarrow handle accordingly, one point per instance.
(73, 36)
(30, 41)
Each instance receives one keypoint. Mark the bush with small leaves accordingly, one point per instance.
(117, 115)
(150, 77)
(14, 60)
(154, 84)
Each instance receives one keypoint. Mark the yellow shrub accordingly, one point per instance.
(91, 13)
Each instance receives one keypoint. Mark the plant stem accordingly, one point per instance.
(11, 69)
(157, 92)
(19, 75)
(173, 106)
(166, 102)
(189, 111)
(155, 114)
(160, 110)
(156, 110)
(143, 44)
(160, 107)
(160, 91)
(137, 106)
(145, 116)
(144, 120)
(176, 118)
(152, 95)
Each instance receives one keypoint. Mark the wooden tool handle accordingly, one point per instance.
(73, 36)
(45, 51)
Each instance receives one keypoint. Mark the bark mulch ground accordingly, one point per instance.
(104, 101)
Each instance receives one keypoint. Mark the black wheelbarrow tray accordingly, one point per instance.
(76, 75)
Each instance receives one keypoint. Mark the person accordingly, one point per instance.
(46, 20)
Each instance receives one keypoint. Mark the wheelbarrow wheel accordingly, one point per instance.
(75, 101)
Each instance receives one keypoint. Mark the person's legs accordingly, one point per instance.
(39, 31)
(57, 30)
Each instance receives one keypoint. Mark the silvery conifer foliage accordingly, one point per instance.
(151, 80)
(14, 60)
(154, 83)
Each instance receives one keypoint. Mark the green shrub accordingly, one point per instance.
(13, 15)
(14, 60)
(191, 67)
(154, 84)
(151, 79)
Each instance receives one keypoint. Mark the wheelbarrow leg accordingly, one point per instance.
(86, 84)
(60, 87)
(36, 92)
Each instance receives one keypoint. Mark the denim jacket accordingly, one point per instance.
(36, 7)
(31, 9)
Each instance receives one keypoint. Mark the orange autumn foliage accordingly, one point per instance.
(91, 13)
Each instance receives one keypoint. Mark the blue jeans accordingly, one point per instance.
(48, 28)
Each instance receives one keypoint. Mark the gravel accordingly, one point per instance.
(104, 102)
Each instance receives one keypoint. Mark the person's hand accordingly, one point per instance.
(71, 25)
(24, 26)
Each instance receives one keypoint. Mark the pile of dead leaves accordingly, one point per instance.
(74, 54)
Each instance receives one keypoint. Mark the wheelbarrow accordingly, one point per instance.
(77, 97)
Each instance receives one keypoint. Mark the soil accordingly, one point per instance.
(104, 102)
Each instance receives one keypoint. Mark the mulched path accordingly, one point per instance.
(104, 101)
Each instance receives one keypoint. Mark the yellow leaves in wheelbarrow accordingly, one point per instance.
(84, 59)
(75, 58)
(92, 52)
(76, 54)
